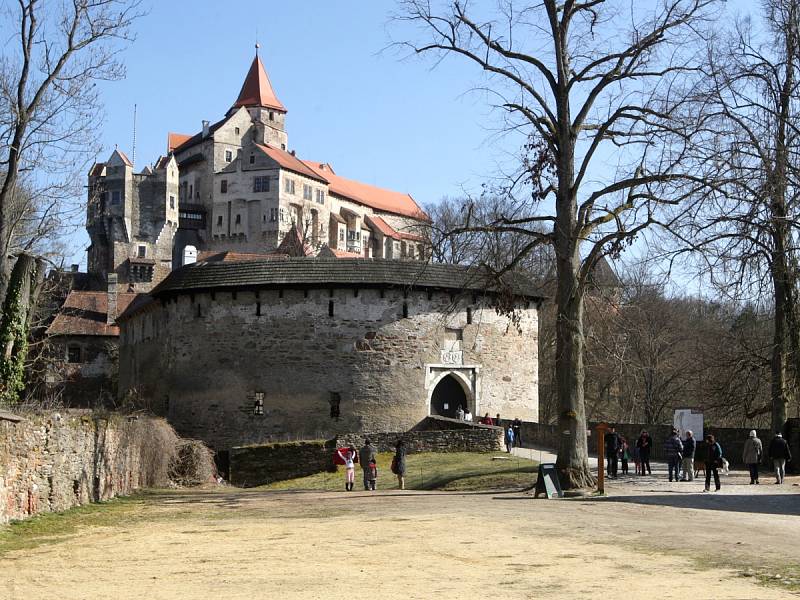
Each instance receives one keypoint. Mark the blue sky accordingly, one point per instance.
(376, 117)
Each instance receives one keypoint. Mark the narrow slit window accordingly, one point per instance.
(330, 308)
(469, 316)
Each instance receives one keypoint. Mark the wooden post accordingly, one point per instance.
(601, 451)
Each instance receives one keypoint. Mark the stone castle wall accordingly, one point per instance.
(54, 462)
(206, 359)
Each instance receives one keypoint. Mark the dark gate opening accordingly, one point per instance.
(447, 396)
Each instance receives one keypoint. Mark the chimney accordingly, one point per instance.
(205, 129)
(292, 153)
(111, 312)
(74, 268)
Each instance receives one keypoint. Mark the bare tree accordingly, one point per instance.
(49, 109)
(599, 88)
(746, 236)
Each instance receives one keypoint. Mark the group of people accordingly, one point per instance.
(680, 455)
(367, 457)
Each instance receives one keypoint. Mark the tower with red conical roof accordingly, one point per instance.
(259, 98)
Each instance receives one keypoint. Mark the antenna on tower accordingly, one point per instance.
(133, 151)
(257, 44)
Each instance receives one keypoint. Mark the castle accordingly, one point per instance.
(236, 186)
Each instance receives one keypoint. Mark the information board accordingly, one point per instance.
(548, 483)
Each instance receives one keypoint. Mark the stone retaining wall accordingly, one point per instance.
(57, 461)
(262, 464)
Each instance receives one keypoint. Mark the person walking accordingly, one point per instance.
(349, 458)
(612, 448)
(713, 461)
(368, 454)
(636, 460)
(673, 448)
(751, 455)
(645, 445)
(509, 439)
(687, 464)
(516, 425)
(779, 454)
(400, 463)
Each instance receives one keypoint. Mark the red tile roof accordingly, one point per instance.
(389, 231)
(176, 139)
(257, 89)
(369, 195)
(97, 169)
(290, 162)
(162, 162)
(293, 244)
(124, 157)
(84, 313)
(328, 252)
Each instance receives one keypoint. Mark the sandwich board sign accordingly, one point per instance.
(547, 482)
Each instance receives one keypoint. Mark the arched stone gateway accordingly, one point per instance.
(447, 396)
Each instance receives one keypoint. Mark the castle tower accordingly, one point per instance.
(268, 113)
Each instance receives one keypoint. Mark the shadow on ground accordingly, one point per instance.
(769, 504)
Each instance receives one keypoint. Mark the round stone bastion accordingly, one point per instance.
(248, 352)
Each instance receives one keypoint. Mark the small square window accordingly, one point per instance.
(236, 130)
(320, 196)
(223, 186)
(142, 251)
(341, 235)
(271, 116)
(74, 354)
(258, 403)
(252, 159)
(115, 196)
(335, 402)
(307, 195)
(288, 186)
(172, 201)
(228, 156)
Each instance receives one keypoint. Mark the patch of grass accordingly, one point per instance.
(50, 528)
(457, 471)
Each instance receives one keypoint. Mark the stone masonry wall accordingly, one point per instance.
(209, 356)
(54, 462)
(258, 465)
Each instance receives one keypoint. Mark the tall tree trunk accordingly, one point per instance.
(779, 361)
(573, 453)
(18, 308)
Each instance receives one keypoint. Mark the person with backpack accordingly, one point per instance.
(399, 463)
(713, 460)
(673, 448)
(687, 464)
(779, 454)
(751, 455)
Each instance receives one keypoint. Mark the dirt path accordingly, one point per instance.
(246, 544)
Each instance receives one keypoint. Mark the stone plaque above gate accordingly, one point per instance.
(452, 357)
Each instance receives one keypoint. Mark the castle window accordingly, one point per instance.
(219, 221)
(223, 187)
(282, 214)
(258, 404)
(469, 316)
(228, 156)
(238, 219)
(307, 192)
(191, 191)
(288, 186)
(236, 130)
(283, 147)
(172, 201)
(271, 116)
(341, 234)
(273, 215)
(320, 196)
(74, 354)
(335, 402)
(252, 159)
(142, 251)
(115, 196)
(261, 184)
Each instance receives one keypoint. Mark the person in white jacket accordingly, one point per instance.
(349, 458)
